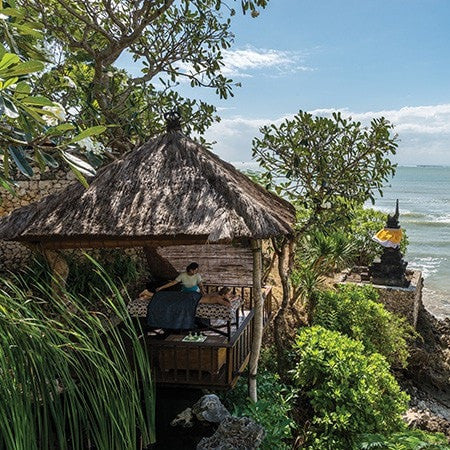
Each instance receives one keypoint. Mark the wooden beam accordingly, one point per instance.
(258, 326)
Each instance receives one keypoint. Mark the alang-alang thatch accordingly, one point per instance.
(170, 191)
(171, 187)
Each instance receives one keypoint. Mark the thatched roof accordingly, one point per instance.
(169, 187)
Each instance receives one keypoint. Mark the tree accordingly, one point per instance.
(174, 42)
(33, 130)
(325, 166)
(78, 42)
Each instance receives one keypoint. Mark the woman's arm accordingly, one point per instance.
(201, 287)
(164, 286)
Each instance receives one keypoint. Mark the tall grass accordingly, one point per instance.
(70, 377)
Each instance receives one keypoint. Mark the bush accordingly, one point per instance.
(354, 311)
(272, 410)
(349, 392)
(407, 440)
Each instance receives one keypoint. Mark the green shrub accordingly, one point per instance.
(407, 440)
(272, 410)
(349, 392)
(354, 311)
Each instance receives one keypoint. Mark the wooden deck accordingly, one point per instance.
(215, 363)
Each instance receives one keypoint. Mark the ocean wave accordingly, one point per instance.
(437, 301)
(428, 265)
(443, 219)
(429, 222)
(412, 215)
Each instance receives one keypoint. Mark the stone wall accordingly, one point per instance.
(13, 255)
(404, 302)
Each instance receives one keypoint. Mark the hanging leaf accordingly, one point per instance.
(79, 175)
(92, 131)
(6, 185)
(84, 167)
(49, 160)
(19, 158)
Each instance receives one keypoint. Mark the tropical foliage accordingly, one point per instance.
(70, 378)
(171, 42)
(406, 440)
(348, 391)
(354, 311)
(60, 87)
(326, 160)
(273, 410)
(33, 129)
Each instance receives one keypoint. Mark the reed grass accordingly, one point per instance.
(70, 377)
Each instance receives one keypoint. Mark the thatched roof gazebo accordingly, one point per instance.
(170, 191)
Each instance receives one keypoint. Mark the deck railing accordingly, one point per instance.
(214, 363)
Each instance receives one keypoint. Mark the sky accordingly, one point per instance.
(365, 58)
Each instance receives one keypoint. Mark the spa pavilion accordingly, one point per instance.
(180, 203)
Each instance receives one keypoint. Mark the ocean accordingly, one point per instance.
(424, 197)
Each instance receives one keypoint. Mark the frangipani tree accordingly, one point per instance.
(174, 44)
(324, 166)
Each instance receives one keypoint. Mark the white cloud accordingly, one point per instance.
(424, 132)
(244, 63)
(240, 62)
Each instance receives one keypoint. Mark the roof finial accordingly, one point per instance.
(173, 120)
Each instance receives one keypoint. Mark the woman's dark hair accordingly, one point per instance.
(224, 290)
(192, 266)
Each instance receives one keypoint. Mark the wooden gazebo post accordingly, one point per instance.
(258, 318)
(59, 271)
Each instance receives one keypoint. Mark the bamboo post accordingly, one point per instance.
(257, 320)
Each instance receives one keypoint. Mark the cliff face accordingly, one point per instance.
(428, 375)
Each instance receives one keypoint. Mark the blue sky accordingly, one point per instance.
(364, 57)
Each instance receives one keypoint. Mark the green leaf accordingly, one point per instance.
(8, 60)
(23, 88)
(6, 185)
(9, 82)
(92, 131)
(24, 68)
(49, 160)
(38, 100)
(12, 12)
(19, 158)
(60, 129)
(79, 176)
